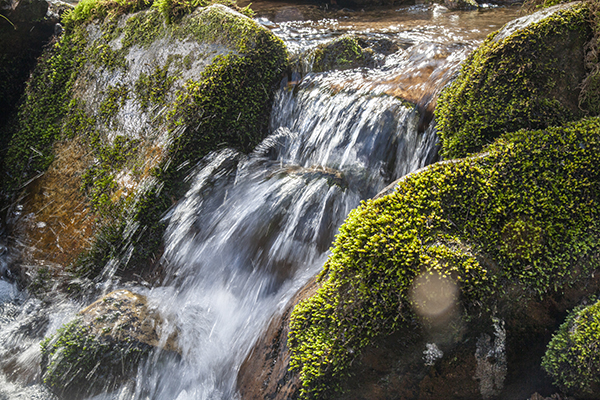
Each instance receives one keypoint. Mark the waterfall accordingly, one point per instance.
(252, 229)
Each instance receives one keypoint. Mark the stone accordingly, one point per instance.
(526, 76)
(110, 337)
(123, 106)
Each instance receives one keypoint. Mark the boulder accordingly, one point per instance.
(342, 53)
(377, 326)
(573, 355)
(116, 115)
(526, 76)
(109, 337)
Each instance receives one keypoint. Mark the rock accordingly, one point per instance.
(527, 75)
(510, 267)
(573, 355)
(265, 373)
(461, 4)
(109, 337)
(340, 54)
(124, 105)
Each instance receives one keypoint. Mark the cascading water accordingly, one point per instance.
(253, 229)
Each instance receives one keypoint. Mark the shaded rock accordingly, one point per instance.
(573, 355)
(110, 337)
(555, 396)
(29, 11)
(123, 107)
(527, 75)
(461, 4)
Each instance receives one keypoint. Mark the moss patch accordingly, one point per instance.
(517, 223)
(40, 117)
(573, 355)
(528, 80)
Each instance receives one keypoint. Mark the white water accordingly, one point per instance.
(253, 229)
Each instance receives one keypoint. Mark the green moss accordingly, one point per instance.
(151, 89)
(142, 29)
(523, 216)
(342, 53)
(75, 362)
(88, 10)
(215, 25)
(524, 81)
(573, 355)
(99, 180)
(173, 10)
(116, 96)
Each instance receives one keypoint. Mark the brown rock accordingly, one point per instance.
(265, 373)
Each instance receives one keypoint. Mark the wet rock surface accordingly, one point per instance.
(109, 338)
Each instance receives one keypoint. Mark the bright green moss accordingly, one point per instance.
(88, 10)
(523, 216)
(342, 53)
(213, 25)
(142, 29)
(529, 80)
(75, 362)
(573, 355)
(151, 89)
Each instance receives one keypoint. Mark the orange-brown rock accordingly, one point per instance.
(265, 372)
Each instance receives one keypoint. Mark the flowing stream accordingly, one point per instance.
(254, 228)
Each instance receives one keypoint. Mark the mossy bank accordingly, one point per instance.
(136, 93)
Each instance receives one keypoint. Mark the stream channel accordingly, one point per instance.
(254, 228)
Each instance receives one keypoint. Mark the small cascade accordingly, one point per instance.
(252, 229)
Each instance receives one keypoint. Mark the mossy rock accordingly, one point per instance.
(136, 94)
(515, 224)
(573, 355)
(461, 4)
(342, 53)
(526, 76)
(103, 346)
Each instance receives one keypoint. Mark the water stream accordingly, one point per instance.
(254, 228)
